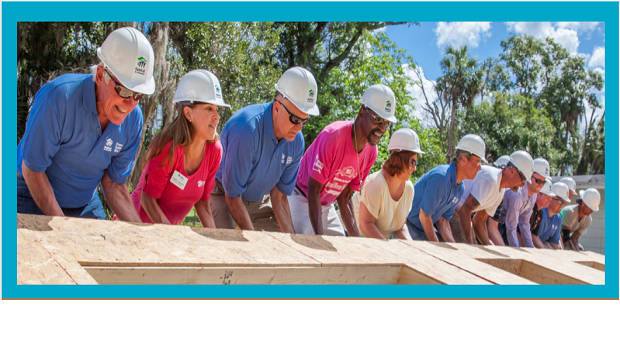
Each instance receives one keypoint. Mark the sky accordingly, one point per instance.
(427, 42)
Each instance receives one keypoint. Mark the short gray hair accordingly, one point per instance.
(93, 71)
(460, 154)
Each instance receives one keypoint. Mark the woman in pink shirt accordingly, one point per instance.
(183, 158)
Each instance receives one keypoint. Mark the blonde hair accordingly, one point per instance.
(180, 131)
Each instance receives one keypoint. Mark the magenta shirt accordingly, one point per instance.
(332, 161)
(174, 202)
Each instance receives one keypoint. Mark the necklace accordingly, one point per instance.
(358, 159)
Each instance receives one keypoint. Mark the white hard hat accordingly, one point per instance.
(524, 163)
(380, 99)
(298, 86)
(473, 144)
(591, 198)
(502, 161)
(572, 186)
(405, 140)
(129, 56)
(546, 189)
(541, 166)
(199, 86)
(560, 190)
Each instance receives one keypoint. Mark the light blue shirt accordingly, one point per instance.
(437, 194)
(63, 138)
(253, 160)
(550, 227)
(516, 210)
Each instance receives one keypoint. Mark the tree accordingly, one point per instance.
(460, 84)
(522, 56)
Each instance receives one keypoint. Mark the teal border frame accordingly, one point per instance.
(13, 12)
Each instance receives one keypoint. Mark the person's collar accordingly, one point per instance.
(268, 123)
(89, 98)
(452, 173)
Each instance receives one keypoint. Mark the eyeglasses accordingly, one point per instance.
(293, 118)
(123, 91)
(538, 181)
(560, 201)
(521, 176)
(377, 119)
(413, 162)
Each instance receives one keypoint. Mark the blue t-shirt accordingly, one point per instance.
(550, 227)
(63, 139)
(253, 160)
(437, 194)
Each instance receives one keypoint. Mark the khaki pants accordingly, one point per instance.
(300, 214)
(260, 212)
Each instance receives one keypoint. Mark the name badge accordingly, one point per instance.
(178, 180)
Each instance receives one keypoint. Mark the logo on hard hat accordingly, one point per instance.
(388, 106)
(141, 65)
(217, 92)
(310, 96)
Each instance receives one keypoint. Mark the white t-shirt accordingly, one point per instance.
(485, 188)
(390, 214)
(570, 218)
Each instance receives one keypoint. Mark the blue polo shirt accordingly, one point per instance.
(437, 194)
(550, 227)
(63, 138)
(253, 160)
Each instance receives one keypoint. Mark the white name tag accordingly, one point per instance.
(178, 180)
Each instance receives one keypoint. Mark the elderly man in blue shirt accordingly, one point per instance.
(518, 206)
(84, 130)
(262, 148)
(550, 226)
(438, 191)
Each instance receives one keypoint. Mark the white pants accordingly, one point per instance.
(301, 216)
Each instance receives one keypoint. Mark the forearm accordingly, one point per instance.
(281, 210)
(203, 210)
(538, 243)
(403, 233)
(119, 200)
(41, 191)
(445, 230)
(465, 219)
(239, 213)
(427, 225)
(480, 227)
(368, 223)
(314, 205)
(153, 210)
(346, 212)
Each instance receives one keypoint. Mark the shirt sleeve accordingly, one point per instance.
(433, 190)
(239, 161)
(324, 158)
(567, 215)
(159, 173)
(524, 225)
(43, 133)
(481, 190)
(288, 179)
(121, 164)
(511, 201)
(373, 197)
(216, 157)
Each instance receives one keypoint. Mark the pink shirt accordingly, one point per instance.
(332, 161)
(173, 201)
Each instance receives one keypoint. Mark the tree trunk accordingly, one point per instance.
(451, 132)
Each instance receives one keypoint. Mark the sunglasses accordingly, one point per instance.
(560, 201)
(377, 119)
(521, 176)
(123, 91)
(538, 181)
(293, 118)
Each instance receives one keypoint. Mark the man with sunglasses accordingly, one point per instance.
(483, 195)
(337, 163)
(518, 207)
(262, 146)
(84, 130)
(550, 226)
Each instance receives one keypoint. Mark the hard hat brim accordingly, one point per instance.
(314, 110)
(389, 118)
(418, 151)
(211, 102)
